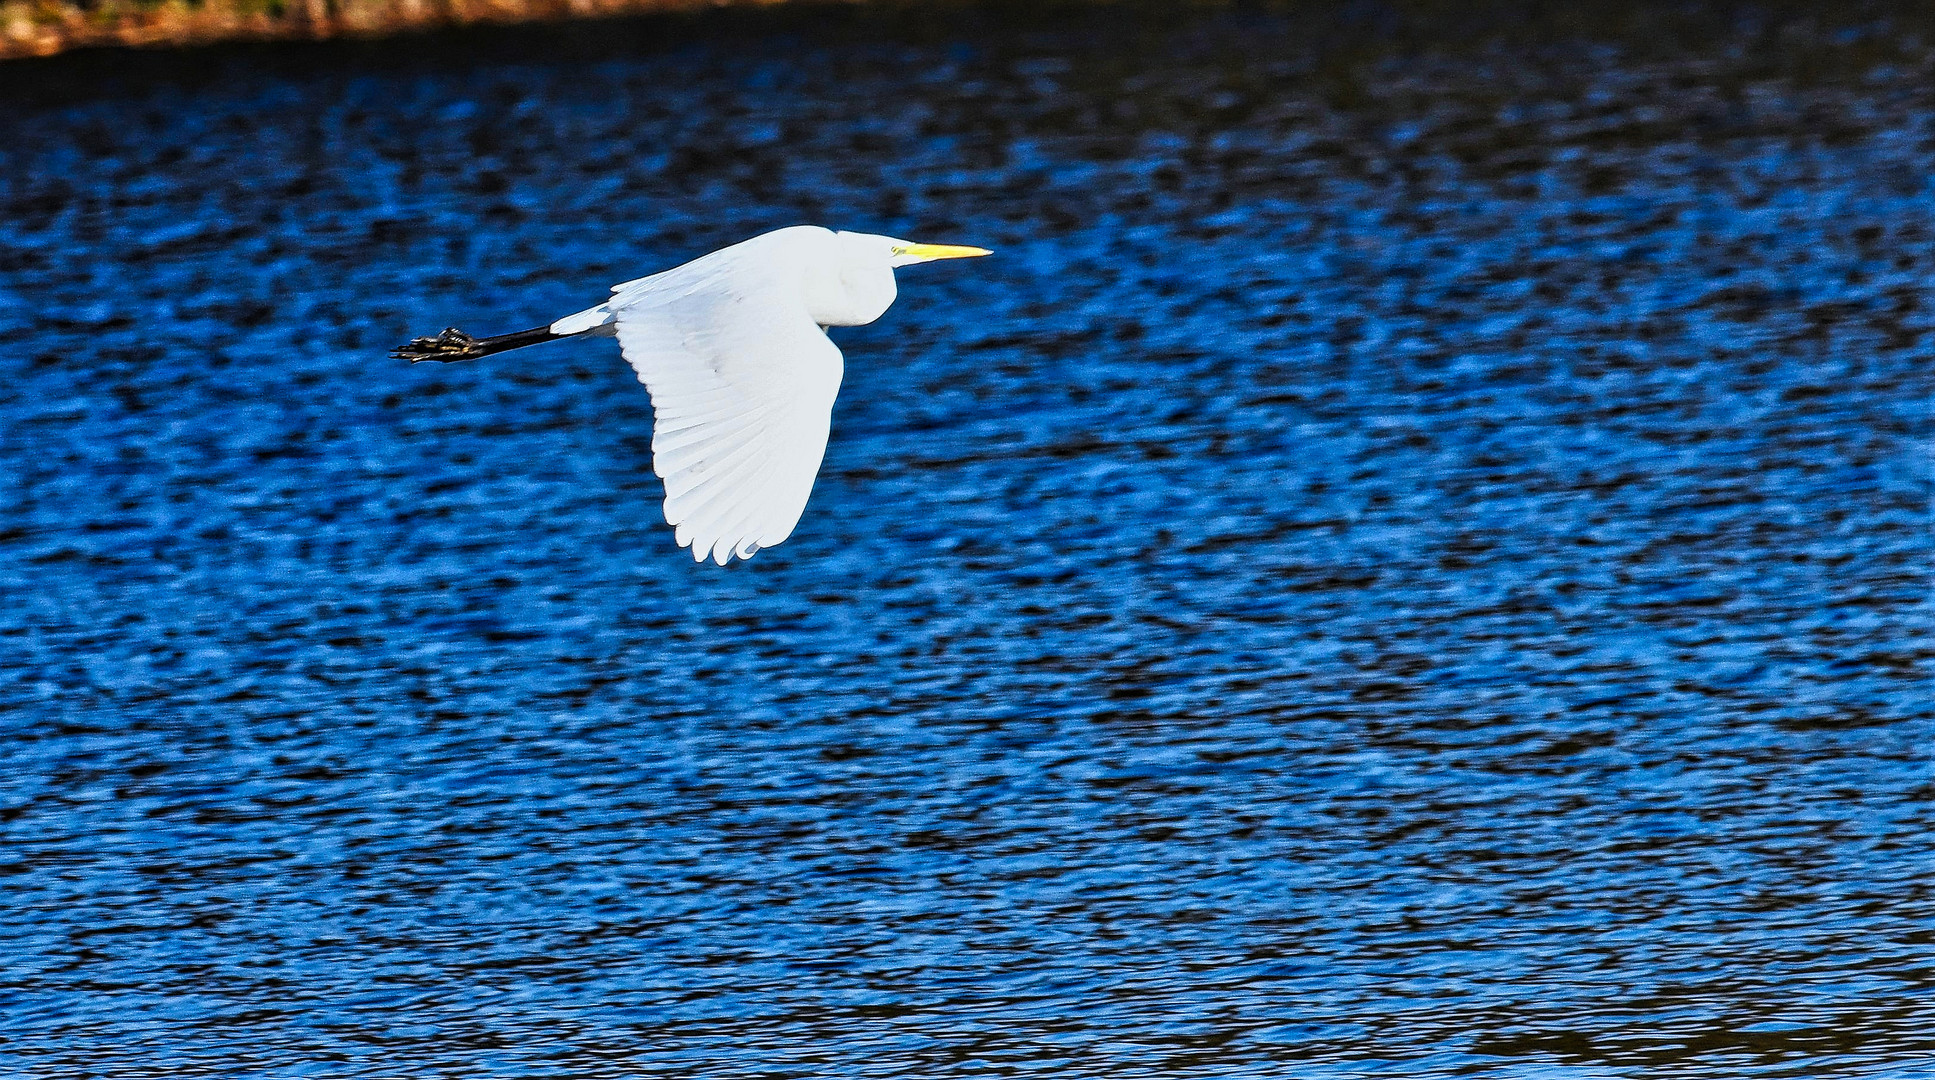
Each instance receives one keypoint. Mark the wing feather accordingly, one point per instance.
(743, 520)
(730, 470)
(791, 484)
(742, 382)
(695, 436)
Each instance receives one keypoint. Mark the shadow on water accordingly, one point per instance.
(1413, 560)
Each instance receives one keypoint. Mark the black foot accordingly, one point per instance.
(448, 347)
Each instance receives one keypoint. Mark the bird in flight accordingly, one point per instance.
(732, 347)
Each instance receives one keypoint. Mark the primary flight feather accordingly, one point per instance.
(732, 347)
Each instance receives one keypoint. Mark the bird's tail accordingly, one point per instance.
(453, 345)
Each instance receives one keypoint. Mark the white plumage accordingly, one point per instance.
(742, 381)
(733, 349)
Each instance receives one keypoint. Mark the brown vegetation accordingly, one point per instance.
(44, 27)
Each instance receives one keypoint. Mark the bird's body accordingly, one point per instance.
(733, 350)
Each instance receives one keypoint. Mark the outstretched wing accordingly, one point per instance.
(742, 383)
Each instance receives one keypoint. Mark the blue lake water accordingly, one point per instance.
(1412, 560)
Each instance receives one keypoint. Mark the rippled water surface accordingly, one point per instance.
(1412, 560)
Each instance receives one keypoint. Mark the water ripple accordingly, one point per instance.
(1413, 561)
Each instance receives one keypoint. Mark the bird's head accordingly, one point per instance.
(866, 273)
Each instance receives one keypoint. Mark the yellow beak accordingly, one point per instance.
(930, 252)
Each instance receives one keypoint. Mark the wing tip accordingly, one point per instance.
(721, 550)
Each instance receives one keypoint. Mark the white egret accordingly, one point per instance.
(733, 349)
